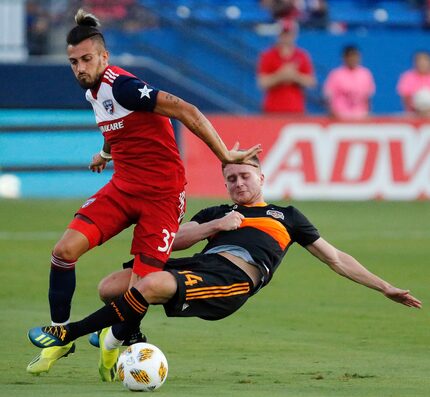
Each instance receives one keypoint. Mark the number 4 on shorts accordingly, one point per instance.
(191, 278)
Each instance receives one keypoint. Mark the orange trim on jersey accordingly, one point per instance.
(262, 204)
(270, 226)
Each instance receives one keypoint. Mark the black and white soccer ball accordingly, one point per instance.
(142, 367)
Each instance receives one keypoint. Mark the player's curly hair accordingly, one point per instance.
(86, 28)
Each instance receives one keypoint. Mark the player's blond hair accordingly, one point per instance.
(83, 18)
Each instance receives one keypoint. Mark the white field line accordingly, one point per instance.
(38, 236)
(29, 236)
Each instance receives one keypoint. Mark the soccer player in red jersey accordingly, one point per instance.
(147, 187)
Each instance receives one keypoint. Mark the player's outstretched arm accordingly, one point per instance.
(189, 115)
(349, 267)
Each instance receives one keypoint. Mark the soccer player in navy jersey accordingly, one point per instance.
(147, 187)
(247, 241)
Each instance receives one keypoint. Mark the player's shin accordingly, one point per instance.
(62, 283)
(130, 308)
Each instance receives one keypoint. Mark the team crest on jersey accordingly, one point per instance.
(88, 202)
(108, 104)
(275, 214)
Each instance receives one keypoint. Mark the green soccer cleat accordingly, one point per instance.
(49, 336)
(46, 359)
(108, 359)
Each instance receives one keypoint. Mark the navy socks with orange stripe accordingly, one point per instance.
(131, 307)
(62, 283)
(122, 331)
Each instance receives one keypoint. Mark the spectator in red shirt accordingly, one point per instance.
(111, 12)
(284, 71)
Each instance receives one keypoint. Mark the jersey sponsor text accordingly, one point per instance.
(112, 126)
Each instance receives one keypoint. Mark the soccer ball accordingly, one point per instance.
(10, 186)
(142, 367)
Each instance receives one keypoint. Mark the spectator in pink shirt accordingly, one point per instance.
(414, 85)
(349, 87)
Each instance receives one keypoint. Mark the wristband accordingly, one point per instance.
(105, 156)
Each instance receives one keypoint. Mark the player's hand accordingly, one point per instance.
(236, 156)
(402, 296)
(98, 163)
(231, 221)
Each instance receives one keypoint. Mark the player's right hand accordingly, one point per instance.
(231, 221)
(98, 163)
(237, 156)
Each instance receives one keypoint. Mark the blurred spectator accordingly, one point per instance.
(309, 13)
(425, 6)
(111, 12)
(140, 18)
(108, 10)
(349, 87)
(284, 71)
(129, 15)
(37, 28)
(281, 9)
(313, 13)
(414, 85)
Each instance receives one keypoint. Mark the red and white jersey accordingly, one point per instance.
(143, 147)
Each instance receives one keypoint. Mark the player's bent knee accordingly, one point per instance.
(114, 285)
(71, 246)
(157, 287)
(104, 289)
(64, 251)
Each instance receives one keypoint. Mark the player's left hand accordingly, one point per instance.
(98, 163)
(402, 296)
(236, 156)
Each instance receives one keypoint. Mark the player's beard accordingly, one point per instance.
(87, 84)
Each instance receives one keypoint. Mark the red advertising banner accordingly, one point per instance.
(386, 158)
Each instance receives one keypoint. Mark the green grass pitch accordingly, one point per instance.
(309, 333)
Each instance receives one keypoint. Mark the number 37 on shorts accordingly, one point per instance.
(168, 238)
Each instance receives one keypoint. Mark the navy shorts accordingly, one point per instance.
(209, 286)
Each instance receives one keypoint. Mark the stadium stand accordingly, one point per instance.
(216, 43)
(206, 50)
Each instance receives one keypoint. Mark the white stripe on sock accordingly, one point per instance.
(65, 323)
